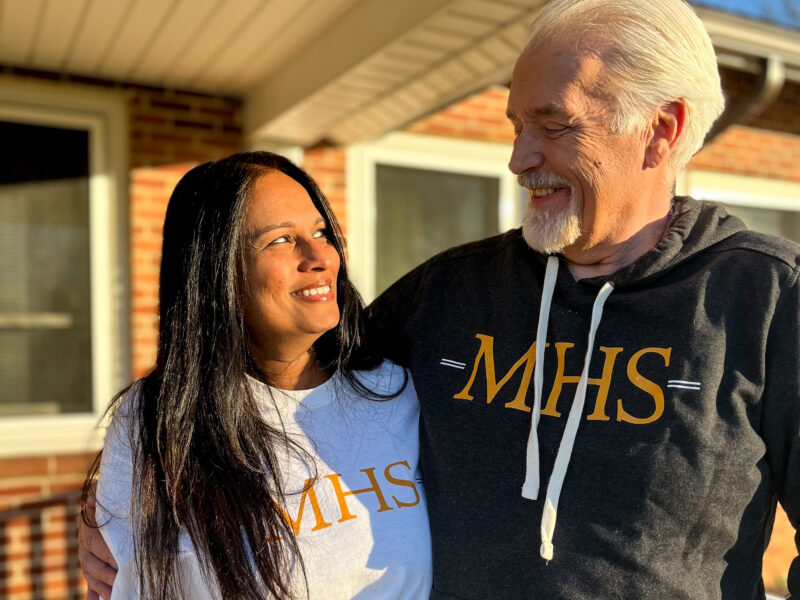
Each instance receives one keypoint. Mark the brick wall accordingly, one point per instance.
(39, 503)
(327, 166)
(39, 496)
(169, 127)
(170, 132)
(150, 189)
(768, 146)
(753, 152)
(479, 117)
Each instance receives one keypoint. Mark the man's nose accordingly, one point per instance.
(527, 153)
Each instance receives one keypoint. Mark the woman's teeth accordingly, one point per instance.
(325, 289)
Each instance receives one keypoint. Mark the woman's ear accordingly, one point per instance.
(665, 131)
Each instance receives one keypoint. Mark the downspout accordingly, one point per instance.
(770, 83)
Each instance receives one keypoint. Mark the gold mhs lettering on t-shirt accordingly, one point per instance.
(392, 477)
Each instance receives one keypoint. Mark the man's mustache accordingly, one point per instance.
(532, 179)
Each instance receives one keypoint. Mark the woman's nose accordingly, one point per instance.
(317, 255)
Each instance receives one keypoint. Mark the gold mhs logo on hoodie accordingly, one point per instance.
(484, 360)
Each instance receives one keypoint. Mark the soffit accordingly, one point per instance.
(311, 70)
(222, 47)
(444, 51)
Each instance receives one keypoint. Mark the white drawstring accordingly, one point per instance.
(530, 488)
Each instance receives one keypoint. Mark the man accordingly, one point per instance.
(611, 406)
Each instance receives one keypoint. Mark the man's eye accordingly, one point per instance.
(555, 129)
(280, 240)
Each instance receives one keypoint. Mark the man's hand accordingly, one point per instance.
(97, 564)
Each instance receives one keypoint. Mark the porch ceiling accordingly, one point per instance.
(342, 70)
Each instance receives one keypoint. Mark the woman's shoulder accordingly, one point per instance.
(387, 379)
(123, 415)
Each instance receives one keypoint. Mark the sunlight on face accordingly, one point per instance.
(582, 178)
(292, 268)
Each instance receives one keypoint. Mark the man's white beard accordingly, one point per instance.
(548, 230)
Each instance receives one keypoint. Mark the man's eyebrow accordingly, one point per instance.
(548, 110)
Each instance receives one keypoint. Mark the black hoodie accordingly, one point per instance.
(689, 435)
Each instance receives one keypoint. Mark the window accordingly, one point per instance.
(765, 205)
(62, 349)
(412, 196)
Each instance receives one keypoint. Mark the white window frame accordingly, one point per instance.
(415, 151)
(742, 190)
(104, 115)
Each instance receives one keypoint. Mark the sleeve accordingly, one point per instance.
(114, 488)
(388, 317)
(781, 413)
(114, 515)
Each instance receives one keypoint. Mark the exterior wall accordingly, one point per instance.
(39, 504)
(480, 117)
(744, 150)
(327, 167)
(169, 133)
(150, 188)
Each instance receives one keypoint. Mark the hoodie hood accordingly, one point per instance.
(695, 226)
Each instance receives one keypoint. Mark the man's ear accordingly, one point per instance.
(666, 129)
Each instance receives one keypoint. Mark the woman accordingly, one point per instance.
(268, 454)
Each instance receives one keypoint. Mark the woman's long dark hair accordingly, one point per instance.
(205, 460)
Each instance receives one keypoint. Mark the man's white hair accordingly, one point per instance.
(654, 51)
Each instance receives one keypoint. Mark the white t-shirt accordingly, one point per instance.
(362, 527)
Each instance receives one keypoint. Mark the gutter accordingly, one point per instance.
(770, 83)
(771, 52)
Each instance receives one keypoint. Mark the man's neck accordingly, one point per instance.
(608, 256)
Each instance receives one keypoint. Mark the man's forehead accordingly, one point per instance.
(554, 79)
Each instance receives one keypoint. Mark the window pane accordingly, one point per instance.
(784, 223)
(422, 212)
(45, 335)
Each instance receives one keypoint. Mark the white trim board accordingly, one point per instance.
(758, 192)
(104, 116)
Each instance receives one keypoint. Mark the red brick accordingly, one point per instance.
(23, 466)
(15, 496)
(149, 118)
(188, 124)
(74, 463)
(228, 112)
(170, 104)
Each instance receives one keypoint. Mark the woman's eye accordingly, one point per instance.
(320, 233)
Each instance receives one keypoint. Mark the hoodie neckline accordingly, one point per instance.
(695, 226)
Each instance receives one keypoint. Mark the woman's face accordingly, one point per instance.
(290, 295)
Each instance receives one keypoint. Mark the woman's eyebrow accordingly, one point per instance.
(257, 233)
